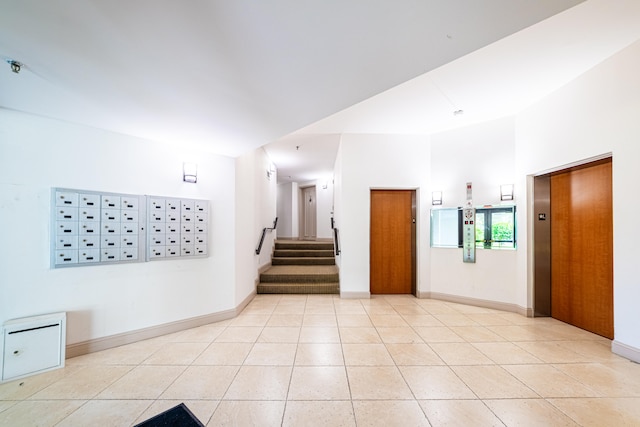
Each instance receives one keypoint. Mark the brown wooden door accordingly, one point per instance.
(392, 251)
(582, 248)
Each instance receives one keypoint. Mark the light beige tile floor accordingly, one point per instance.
(296, 360)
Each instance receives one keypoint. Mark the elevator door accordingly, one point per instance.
(582, 248)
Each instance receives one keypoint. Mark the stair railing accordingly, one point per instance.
(264, 233)
(336, 241)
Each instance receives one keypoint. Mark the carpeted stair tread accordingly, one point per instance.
(300, 273)
(299, 288)
(303, 261)
(298, 253)
(304, 245)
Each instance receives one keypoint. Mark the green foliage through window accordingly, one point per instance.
(495, 227)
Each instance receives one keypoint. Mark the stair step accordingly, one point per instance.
(303, 261)
(298, 253)
(301, 267)
(299, 288)
(300, 274)
(301, 245)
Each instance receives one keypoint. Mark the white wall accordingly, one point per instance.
(37, 154)
(368, 162)
(255, 209)
(324, 204)
(288, 217)
(482, 154)
(337, 201)
(595, 114)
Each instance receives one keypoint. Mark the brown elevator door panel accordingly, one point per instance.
(391, 265)
(582, 248)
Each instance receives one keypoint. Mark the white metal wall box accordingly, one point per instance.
(32, 345)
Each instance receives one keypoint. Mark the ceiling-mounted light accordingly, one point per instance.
(458, 112)
(15, 65)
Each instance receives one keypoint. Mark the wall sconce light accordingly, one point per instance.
(436, 198)
(190, 172)
(506, 192)
(271, 171)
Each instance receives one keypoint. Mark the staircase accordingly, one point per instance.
(301, 267)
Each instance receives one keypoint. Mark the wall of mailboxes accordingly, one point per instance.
(90, 228)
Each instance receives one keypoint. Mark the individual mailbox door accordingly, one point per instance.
(200, 239)
(88, 255)
(89, 201)
(200, 249)
(64, 198)
(156, 216)
(111, 202)
(66, 213)
(89, 214)
(66, 257)
(187, 250)
(129, 228)
(66, 227)
(172, 239)
(66, 242)
(127, 241)
(173, 216)
(200, 228)
(129, 215)
(89, 228)
(157, 252)
(187, 217)
(187, 228)
(187, 206)
(201, 206)
(157, 240)
(172, 228)
(157, 204)
(111, 228)
(89, 242)
(128, 254)
(173, 205)
(157, 228)
(110, 215)
(110, 254)
(172, 250)
(201, 218)
(187, 239)
(128, 202)
(108, 241)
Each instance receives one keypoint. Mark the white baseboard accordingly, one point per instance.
(104, 343)
(495, 305)
(626, 351)
(355, 295)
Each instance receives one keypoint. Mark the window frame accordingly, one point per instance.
(487, 219)
(488, 212)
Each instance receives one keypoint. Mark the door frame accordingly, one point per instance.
(541, 257)
(414, 231)
(302, 210)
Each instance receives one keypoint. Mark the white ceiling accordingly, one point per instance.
(228, 76)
